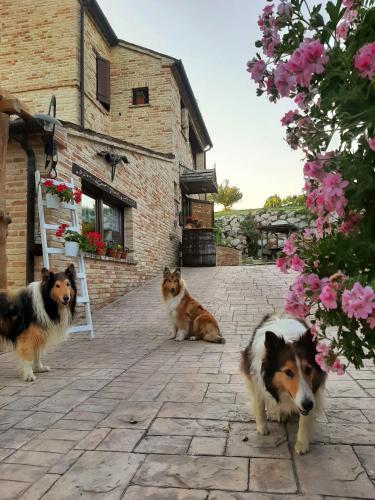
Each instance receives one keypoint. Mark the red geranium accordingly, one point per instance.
(48, 183)
(77, 195)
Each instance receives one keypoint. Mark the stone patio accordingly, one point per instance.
(135, 416)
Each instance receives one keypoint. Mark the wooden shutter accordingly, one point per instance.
(103, 85)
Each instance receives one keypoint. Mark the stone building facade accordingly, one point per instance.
(68, 49)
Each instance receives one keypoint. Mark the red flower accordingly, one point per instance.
(100, 245)
(61, 229)
(61, 187)
(77, 195)
(48, 183)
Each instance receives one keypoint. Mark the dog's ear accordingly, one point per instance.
(166, 272)
(70, 271)
(46, 275)
(177, 272)
(307, 340)
(273, 343)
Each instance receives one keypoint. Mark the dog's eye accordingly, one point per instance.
(57, 286)
(289, 373)
(68, 284)
(308, 370)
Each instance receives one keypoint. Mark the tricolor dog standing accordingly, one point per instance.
(189, 318)
(282, 375)
(38, 315)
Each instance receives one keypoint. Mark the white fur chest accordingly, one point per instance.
(171, 305)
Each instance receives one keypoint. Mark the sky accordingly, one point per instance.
(215, 39)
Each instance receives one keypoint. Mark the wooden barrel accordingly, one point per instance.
(198, 248)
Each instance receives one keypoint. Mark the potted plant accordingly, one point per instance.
(124, 252)
(60, 193)
(111, 250)
(95, 244)
(74, 241)
(118, 248)
(101, 248)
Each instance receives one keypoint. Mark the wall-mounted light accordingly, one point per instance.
(113, 159)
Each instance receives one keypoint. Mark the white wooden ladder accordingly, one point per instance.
(83, 298)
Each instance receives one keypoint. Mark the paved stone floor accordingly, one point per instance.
(133, 415)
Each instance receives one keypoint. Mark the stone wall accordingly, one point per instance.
(231, 224)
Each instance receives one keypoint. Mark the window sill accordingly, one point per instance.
(139, 105)
(93, 256)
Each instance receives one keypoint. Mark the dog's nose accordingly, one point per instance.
(307, 404)
(66, 299)
(172, 290)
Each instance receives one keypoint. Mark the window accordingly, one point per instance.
(140, 96)
(103, 217)
(103, 86)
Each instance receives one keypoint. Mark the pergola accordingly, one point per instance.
(276, 230)
(9, 105)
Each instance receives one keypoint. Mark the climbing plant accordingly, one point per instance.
(323, 58)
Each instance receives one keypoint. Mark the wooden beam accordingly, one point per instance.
(12, 105)
(5, 220)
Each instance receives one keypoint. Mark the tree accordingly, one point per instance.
(326, 64)
(249, 229)
(272, 201)
(227, 195)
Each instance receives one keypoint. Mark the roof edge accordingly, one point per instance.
(101, 21)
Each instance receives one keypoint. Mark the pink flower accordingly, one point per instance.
(350, 15)
(295, 304)
(364, 61)
(328, 296)
(297, 264)
(313, 331)
(307, 60)
(319, 358)
(342, 30)
(289, 117)
(371, 143)
(282, 264)
(285, 80)
(256, 69)
(338, 367)
(323, 349)
(289, 247)
(351, 223)
(285, 9)
(337, 280)
(371, 321)
(316, 264)
(268, 9)
(347, 3)
(359, 302)
(300, 100)
(312, 281)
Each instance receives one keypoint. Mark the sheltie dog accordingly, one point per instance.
(189, 318)
(38, 315)
(282, 376)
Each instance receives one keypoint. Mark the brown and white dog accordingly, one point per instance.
(189, 318)
(282, 376)
(38, 315)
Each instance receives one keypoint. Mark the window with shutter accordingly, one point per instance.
(103, 88)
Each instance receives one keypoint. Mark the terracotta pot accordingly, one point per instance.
(118, 254)
(101, 251)
(124, 255)
(111, 252)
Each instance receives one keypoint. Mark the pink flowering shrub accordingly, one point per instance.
(325, 63)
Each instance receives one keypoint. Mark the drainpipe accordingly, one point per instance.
(82, 64)
(30, 202)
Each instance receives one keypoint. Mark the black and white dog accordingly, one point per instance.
(282, 376)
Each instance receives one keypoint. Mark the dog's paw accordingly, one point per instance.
(42, 369)
(180, 336)
(192, 338)
(29, 377)
(263, 429)
(302, 447)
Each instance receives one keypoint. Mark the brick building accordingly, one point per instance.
(112, 97)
